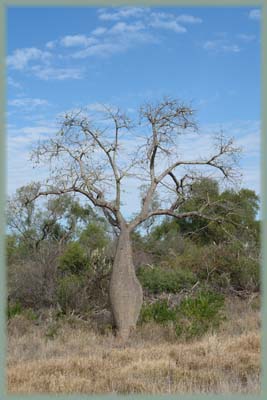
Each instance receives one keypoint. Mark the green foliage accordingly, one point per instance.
(74, 259)
(86, 289)
(14, 309)
(192, 318)
(222, 257)
(158, 280)
(159, 312)
(228, 266)
(70, 292)
(240, 223)
(223, 266)
(94, 236)
(245, 274)
(199, 314)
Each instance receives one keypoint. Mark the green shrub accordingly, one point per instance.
(246, 274)
(158, 280)
(192, 318)
(223, 266)
(94, 236)
(17, 309)
(159, 312)
(70, 293)
(14, 309)
(74, 259)
(228, 266)
(199, 314)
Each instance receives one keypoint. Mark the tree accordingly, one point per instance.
(88, 157)
(239, 209)
(58, 221)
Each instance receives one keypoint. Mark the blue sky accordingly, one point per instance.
(64, 58)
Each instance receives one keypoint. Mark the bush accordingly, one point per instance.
(199, 314)
(74, 259)
(13, 309)
(87, 290)
(158, 280)
(33, 284)
(159, 312)
(94, 236)
(225, 266)
(32, 279)
(246, 274)
(71, 294)
(192, 318)
(228, 266)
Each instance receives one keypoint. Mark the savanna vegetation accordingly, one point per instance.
(160, 294)
(198, 329)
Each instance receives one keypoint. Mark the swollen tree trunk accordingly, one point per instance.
(126, 295)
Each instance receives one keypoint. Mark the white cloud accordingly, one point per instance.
(117, 39)
(255, 14)
(29, 103)
(98, 107)
(188, 19)
(233, 48)
(28, 135)
(125, 12)
(19, 144)
(19, 168)
(99, 31)
(51, 44)
(210, 45)
(20, 58)
(77, 40)
(101, 49)
(169, 25)
(246, 38)
(55, 73)
(12, 82)
(122, 27)
(160, 20)
(221, 46)
(102, 41)
(165, 21)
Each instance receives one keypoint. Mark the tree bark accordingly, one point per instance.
(126, 295)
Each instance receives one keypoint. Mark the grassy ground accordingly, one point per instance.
(70, 357)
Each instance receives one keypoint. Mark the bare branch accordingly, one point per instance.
(86, 158)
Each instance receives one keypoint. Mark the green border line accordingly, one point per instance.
(264, 194)
(2, 199)
(102, 3)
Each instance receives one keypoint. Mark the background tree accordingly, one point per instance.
(238, 208)
(59, 220)
(95, 158)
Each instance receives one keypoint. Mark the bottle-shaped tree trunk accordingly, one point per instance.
(126, 295)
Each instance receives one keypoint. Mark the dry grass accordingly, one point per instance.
(79, 360)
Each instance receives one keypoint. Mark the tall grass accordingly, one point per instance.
(71, 357)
